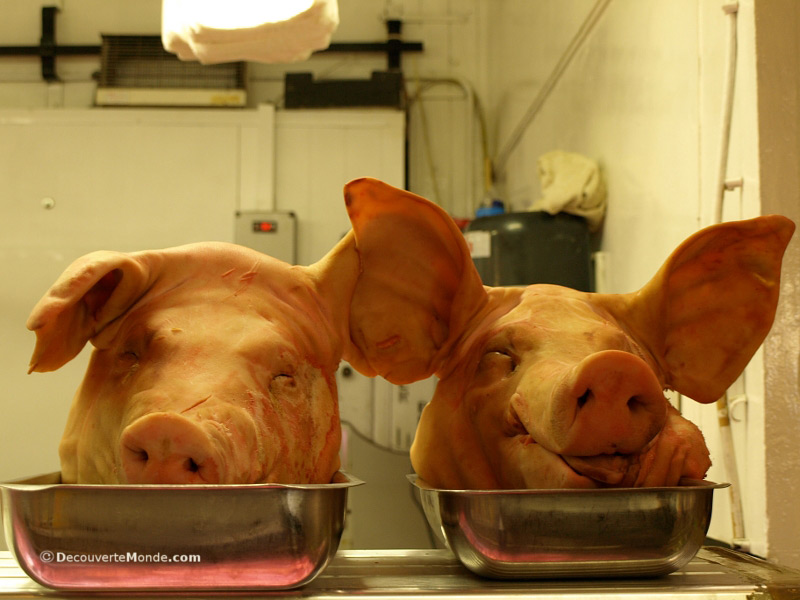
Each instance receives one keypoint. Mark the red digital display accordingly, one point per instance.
(265, 226)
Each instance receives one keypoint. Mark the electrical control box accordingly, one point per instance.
(380, 411)
(273, 233)
(397, 411)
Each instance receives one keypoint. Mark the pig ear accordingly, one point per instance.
(417, 287)
(710, 306)
(89, 294)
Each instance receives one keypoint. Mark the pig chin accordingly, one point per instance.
(541, 468)
(610, 470)
(535, 467)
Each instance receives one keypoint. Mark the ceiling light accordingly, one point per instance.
(269, 31)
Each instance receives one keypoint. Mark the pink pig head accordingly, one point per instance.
(544, 386)
(212, 364)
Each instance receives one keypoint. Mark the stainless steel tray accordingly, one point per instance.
(162, 537)
(623, 532)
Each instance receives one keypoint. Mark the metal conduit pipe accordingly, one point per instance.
(730, 9)
(583, 32)
(472, 113)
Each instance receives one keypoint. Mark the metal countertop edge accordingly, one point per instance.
(715, 573)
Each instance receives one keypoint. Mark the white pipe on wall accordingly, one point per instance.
(723, 411)
(472, 113)
(730, 9)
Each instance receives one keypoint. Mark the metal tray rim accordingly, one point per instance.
(688, 485)
(29, 485)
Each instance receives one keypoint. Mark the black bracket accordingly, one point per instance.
(394, 46)
(48, 50)
(384, 88)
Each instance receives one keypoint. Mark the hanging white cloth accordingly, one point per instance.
(571, 183)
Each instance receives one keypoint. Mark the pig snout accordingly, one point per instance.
(169, 448)
(609, 403)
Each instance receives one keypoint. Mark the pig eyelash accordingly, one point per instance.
(503, 349)
(130, 365)
(506, 353)
(514, 361)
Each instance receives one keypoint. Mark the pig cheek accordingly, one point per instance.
(678, 451)
(88, 452)
(88, 449)
(271, 432)
(241, 409)
(288, 417)
(249, 459)
(484, 396)
(531, 406)
(486, 404)
(302, 425)
(326, 441)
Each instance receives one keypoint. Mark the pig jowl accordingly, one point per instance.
(544, 386)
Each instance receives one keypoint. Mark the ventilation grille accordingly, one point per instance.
(133, 64)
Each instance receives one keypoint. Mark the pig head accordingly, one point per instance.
(544, 386)
(212, 364)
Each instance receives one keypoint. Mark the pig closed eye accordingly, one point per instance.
(128, 360)
(283, 381)
(496, 364)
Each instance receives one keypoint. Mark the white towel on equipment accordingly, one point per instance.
(571, 183)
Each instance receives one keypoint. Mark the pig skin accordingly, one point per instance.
(544, 386)
(212, 364)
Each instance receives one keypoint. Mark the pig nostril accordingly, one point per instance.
(584, 398)
(635, 403)
(139, 454)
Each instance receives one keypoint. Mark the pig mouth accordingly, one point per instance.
(605, 470)
(608, 469)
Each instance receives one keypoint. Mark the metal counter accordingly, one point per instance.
(715, 573)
